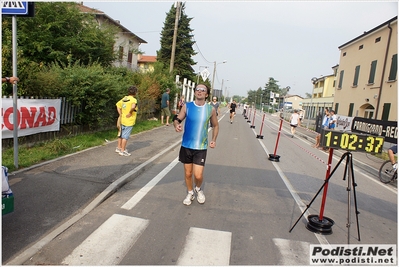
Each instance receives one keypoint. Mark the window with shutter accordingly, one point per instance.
(356, 78)
(394, 68)
(372, 71)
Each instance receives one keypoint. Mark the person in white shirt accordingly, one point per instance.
(294, 120)
(245, 109)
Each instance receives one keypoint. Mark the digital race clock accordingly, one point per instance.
(352, 141)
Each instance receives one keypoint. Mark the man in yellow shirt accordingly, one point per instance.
(127, 112)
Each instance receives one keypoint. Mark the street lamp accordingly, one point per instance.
(214, 72)
(268, 102)
(288, 88)
(227, 93)
(221, 90)
(314, 80)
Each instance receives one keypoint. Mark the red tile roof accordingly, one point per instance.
(147, 59)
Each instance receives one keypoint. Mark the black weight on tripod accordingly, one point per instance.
(324, 226)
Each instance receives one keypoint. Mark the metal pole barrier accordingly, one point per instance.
(261, 127)
(253, 120)
(274, 157)
(323, 202)
(249, 118)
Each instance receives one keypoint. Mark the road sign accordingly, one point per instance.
(14, 8)
(205, 74)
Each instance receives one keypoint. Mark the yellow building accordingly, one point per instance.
(322, 95)
(366, 84)
(146, 63)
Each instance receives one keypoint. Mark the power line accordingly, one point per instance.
(199, 50)
(148, 32)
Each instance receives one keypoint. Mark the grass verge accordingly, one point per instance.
(28, 156)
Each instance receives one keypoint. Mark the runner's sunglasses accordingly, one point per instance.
(201, 89)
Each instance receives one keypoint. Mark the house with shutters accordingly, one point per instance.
(126, 43)
(366, 81)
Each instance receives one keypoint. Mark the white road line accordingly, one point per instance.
(143, 191)
(109, 244)
(205, 247)
(292, 252)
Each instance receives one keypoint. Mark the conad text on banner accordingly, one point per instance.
(33, 116)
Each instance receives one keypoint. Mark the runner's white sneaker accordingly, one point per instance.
(189, 198)
(200, 196)
(124, 153)
(118, 150)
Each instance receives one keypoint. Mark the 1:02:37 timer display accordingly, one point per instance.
(352, 141)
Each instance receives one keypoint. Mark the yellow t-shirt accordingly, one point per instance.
(125, 104)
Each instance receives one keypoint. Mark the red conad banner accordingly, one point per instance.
(34, 116)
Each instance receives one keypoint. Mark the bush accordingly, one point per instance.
(96, 89)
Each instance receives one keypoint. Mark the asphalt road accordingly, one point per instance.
(97, 208)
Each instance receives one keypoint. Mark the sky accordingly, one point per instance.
(290, 41)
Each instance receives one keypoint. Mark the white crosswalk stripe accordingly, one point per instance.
(109, 244)
(206, 247)
(293, 252)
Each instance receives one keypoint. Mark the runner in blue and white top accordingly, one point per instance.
(196, 127)
(194, 146)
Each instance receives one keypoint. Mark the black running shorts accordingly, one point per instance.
(192, 156)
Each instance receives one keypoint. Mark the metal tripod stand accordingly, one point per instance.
(324, 227)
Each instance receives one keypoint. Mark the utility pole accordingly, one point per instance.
(172, 57)
(213, 80)
(221, 89)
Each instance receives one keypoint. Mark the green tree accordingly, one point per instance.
(271, 86)
(254, 96)
(184, 51)
(59, 32)
(237, 98)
